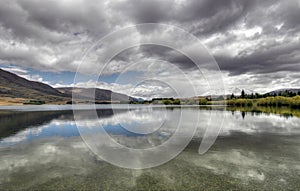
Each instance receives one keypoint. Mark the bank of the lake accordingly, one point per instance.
(277, 101)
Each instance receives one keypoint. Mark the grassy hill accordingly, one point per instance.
(14, 86)
(17, 90)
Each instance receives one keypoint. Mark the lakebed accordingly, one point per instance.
(43, 147)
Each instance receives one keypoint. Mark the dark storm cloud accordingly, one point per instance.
(200, 17)
(206, 9)
(50, 35)
(280, 57)
(37, 34)
(48, 21)
(156, 52)
(278, 20)
(213, 16)
(271, 12)
(167, 54)
(145, 11)
(206, 18)
(15, 19)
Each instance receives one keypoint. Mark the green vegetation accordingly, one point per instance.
(287, 99)
(238, 102)
(278, 101)
(282, 111)
(165, 101)
(287, 104)
(177, 101)
(34, 102)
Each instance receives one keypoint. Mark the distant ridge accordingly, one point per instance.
(283, 90)
(14, 86)
(100, 94)
(10, 79)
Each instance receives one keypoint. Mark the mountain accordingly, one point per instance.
(100, 94)
(12, 85)
(282, 91)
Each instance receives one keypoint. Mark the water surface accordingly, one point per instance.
(42, 149)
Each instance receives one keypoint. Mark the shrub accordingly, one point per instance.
(34, 102)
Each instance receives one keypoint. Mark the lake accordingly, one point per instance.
(46, 147)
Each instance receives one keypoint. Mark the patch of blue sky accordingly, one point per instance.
(128, 77)
(51, 130)
(67, 78)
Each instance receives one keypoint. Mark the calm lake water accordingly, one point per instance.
(41, 148)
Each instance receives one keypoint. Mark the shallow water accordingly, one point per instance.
(42, 149)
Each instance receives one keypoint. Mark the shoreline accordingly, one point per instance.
(283, 110)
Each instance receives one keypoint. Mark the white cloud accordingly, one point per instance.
(248, 39)
(24, 74)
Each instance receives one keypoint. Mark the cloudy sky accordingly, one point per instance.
(255, 43)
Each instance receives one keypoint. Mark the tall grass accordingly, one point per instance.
(279, 101)
(239, 102)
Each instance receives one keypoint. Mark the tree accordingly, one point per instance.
(167, 102)
(257, 95)
(243, 94)
(176, 102)
(232, 96)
